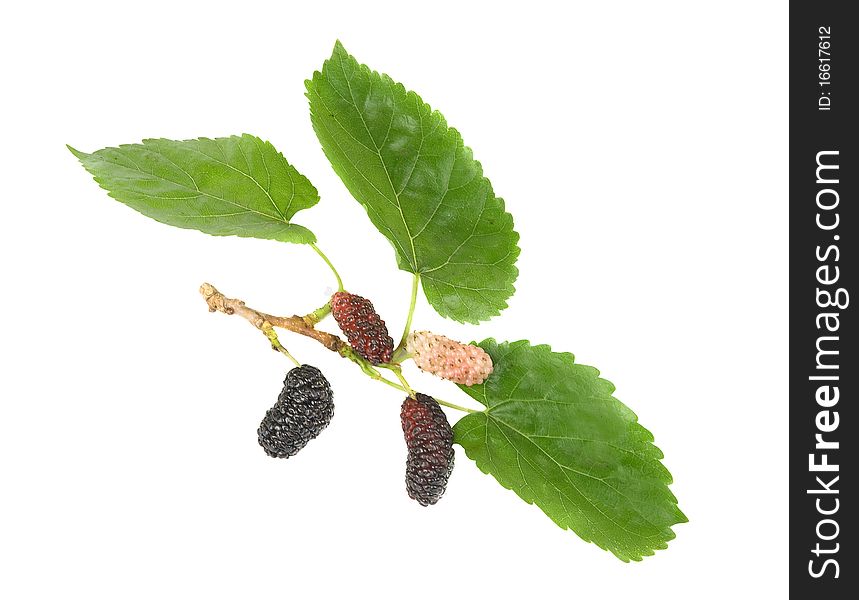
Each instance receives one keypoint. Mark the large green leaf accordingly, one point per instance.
(225, 186)
(553, 433)
(420, 185)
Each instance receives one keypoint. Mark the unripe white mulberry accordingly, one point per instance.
(461, 363)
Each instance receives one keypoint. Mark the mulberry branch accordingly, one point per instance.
(264, 322)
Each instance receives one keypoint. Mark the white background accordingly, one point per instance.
(642, 149)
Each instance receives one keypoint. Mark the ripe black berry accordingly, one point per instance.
(363, 327)
(303, 409)
(429, 439)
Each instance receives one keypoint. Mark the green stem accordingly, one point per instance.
(455, 406)
(389, 382)
(407, 388)
(317, 315)
(415, 281)
(403, 381)
(275, 344)
(368, 369)
(399, 355)
(330, 266)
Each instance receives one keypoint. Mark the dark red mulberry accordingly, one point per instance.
(303, 409)
(429, 439)
(365, 331)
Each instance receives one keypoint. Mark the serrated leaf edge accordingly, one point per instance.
(511, 288)
(669, 533)
(307, 236)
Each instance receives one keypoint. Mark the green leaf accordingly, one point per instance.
(553, 433)
(420, 185)
(224, 186)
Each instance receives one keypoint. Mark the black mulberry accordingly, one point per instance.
(429, 439)
(363, 327)
(303, 409)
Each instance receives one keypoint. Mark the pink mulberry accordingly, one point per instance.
(461, 363)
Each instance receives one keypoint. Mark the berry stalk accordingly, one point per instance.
(398, 372)
(275, 343)
(317, 315)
